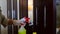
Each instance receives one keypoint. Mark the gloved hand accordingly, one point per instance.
(19, 22)
(24, 21)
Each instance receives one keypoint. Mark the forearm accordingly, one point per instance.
(14, 22)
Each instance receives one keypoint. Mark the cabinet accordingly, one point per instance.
(20, 8)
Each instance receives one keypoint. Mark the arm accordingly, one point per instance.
(4, 21)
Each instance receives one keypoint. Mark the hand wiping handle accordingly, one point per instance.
(22, 21)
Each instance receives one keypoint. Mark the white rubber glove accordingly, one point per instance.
(21, 21)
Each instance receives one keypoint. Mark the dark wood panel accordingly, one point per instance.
(34, 15)
(9, 10)
(15, 9)
(9, 15)
(15, 28)
(9, 4)
(20, 8)
(23, 8)
(9, 29)
(50, 17)
(40, 17)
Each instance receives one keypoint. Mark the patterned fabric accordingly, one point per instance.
(3, 20)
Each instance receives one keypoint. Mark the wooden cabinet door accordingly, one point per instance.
(38, 14)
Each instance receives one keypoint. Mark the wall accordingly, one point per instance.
(3, 4)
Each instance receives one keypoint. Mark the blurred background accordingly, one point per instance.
(10, 9)
(58, 16)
